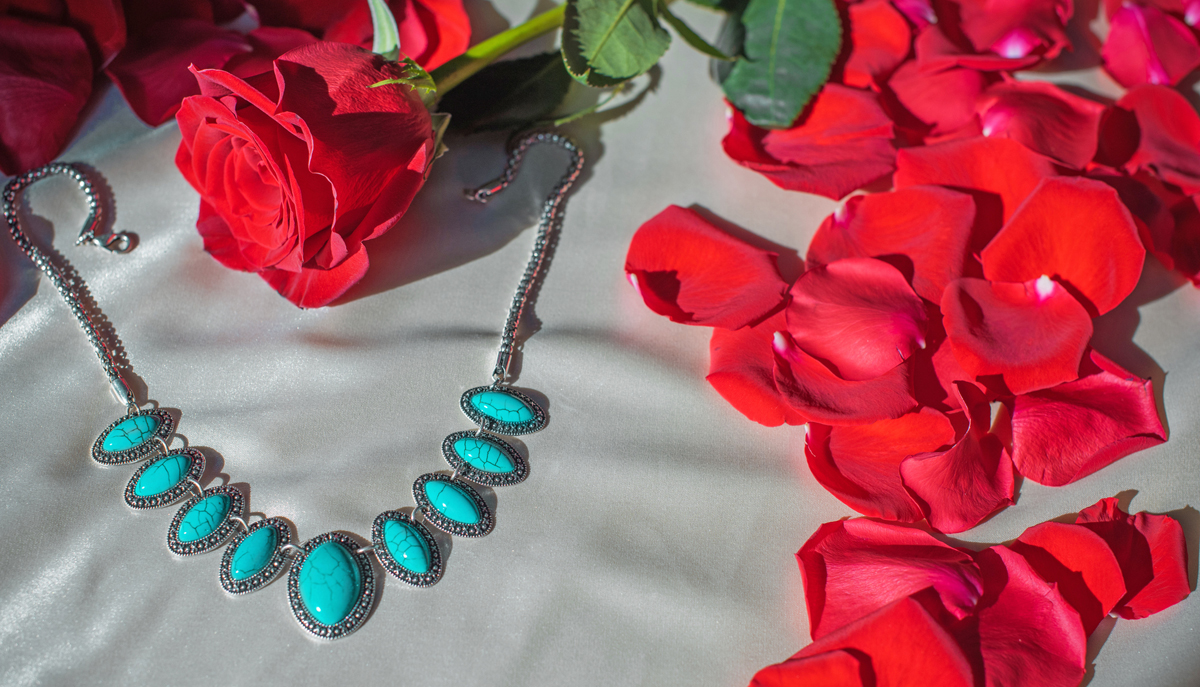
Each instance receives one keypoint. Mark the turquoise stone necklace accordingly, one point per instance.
(331, 582)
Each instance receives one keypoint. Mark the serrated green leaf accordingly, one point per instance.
(387, 35)
(691, 37)
(789, 47)
(606, 42)
(506, 95)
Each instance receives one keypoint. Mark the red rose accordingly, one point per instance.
(298, 167)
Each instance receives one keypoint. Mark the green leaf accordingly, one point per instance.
(790, 46)
(506, 95)
(691, 37)
(730, 39)
(387, 35)
(721, 5)
(413, 76)
(606, 42)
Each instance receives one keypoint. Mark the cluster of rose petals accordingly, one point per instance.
(972, 285)
(51, 51)
(893, 605)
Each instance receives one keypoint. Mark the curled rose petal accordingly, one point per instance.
(837, 668)
(1148, 46)
(1079, 563)
(1043, 118)
(935, 52)
(1169, 145)
(1016, 28)
(742, 369)
(1152, 552)
(1034, 334)
(860, 464)
(1069, 431)
(841, 142)
(945, 100)
(927, 227)
(1076, 230)
(852, 568)
(959, 487)
(1026, 627)
(822, 396)
(879, 40)
(694, 273)
(858, 315)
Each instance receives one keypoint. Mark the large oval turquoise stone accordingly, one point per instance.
(329, 583)
(162, 475)
(501, 406)
(135, 431)
(253, 554)
(407, 546)
(451, 501)
(484, 455)
(204, 518)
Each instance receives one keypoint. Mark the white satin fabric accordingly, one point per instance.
(653, 541)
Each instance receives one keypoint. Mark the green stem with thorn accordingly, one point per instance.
(467, 64)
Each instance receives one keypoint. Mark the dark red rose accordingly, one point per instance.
(298, 167)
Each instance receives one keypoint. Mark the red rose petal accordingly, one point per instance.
(961, 486)
(1079, 563)
(928, 226)
(860, 464)
(840, 143)
(1034, 334)
(1028, 628)
(936, 52)
(1148, 46)
(858, 315)
(1152, 552)
(879, 40)
(1043, 118)
(852, 568)
(694, 273)
(919, 12)
(742, 369)
(266, 43)
(821, 396)
(1151, 214)
(944, 100)
(1069, 431)
(836, 668)
(1016, 28)
(1076, 230)
(1185, 242)
(907, 647)
(1170, 136)
(313, 288)
(431, 31)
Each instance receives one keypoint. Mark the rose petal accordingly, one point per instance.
(830, 669)
(945, 100)
(1034, 334)
(1148, 46)
(1079, 563)
(1026, 627)
(879, 40)
(858, 315)
(313, 288)
(929, 227)
(821, 396)
(742, 369)
(266, 44)
(1076, 230)
(860, 464)
(961, 486)
(1152, 552)
(936, 52)
(1016, 28)
(1170, 136)
(1043, 118)
(840, 143)
(1067, 432)
(694, 273)
(1185, 241)
(919, 12)
(852, 568)
(431, 31)
(1151, 214)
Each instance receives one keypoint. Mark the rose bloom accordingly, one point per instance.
(299, 166)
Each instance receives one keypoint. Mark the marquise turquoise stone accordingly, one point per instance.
(407, 546)
(501, 406)
(204, 518)
(135, 431)
(162, 475)
(329, 583)
(484, 454)
(253, 554)
(451, 501)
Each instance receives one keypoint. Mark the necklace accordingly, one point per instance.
(331, 583)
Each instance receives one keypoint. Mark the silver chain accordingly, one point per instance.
(550, 221)
(70, 286)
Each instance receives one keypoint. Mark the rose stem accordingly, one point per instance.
(460, 68)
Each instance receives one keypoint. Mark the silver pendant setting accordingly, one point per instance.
(393, 566)
(166, 498)
(274, 566)
(225, 528)
(490, 479)
(496, 426)
(366, 596)
(439, 520)
(147, 447)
